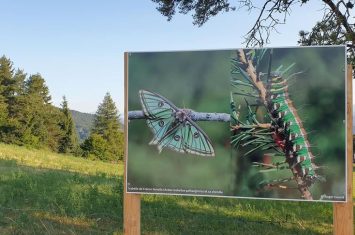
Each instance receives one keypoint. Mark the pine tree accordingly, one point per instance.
(106, 117)
(53, 118)
(12, 81)
(3, 115)
(26, 114)
(6, 73)
(106, 138)
(40, 119)
(14, 96)
(12, 88)
(16, 89)
(6, 76)
(35, 86)
(69, 141)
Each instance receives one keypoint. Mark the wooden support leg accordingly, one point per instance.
(131, 214)
(343, 215)
(131, 202)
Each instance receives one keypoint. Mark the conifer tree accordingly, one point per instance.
(106, 117)
(6, 73)
(6, 76)
(41, 124)
(3, 114)
(14, 100)
(36, 87)
(106, 138)
(26, 114)
(69, 140)
(11, 89)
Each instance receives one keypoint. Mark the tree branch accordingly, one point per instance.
(195, 116)
(248, 66)
(342, 18)
(272, 13)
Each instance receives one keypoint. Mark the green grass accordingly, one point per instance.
(46, 193)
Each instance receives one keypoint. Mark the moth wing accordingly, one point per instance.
(196, 141)
(156, 106)
(173, 139)
(159, 112)
(187, 138)
(159, 127)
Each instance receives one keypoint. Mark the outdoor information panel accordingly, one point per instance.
(250, 123)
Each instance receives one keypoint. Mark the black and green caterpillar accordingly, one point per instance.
(288, 132)
(281, 130)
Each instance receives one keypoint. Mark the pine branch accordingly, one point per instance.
(250, 69)
(342, 17)
(195, 116)
(247, 65)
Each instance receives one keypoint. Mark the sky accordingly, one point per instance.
(78, 46)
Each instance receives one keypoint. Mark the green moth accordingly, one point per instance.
(172, 127)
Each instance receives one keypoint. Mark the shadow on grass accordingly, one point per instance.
(36, 201)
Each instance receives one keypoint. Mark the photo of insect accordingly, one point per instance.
(283, 135)
(172, 127)
(266, 123)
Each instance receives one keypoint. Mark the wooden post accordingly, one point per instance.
(131, 202)
(343, 212)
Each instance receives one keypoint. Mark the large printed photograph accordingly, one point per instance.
(252, 123)
(288, 123)
(168, 151)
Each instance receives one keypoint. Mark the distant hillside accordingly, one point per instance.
(83, 123)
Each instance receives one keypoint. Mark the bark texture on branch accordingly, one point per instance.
(195, 116)
(250, 69)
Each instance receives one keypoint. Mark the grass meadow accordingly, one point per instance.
(46, 193)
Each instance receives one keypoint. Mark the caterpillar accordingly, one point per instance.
(282, 133)
(288, 132)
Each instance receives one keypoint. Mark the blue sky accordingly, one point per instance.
(78, 46)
